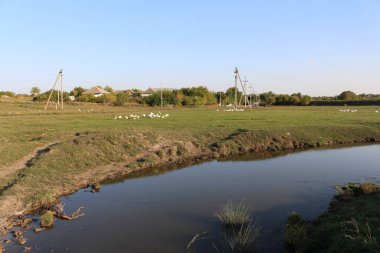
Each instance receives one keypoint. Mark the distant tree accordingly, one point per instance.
(268, 98)
(220, 97)
(35, 91)
(122, 98)
(179, 97)
(347, 95)
(87, 98)
(44, 96)
(108, 98)
(295, 100)
(77, 91)
(305, 100)
(136, 95)
(7, 93)
(230, 95)
(168, 98)
(108, 88)
(283, 99)
(197, 96)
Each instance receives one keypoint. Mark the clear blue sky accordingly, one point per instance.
(318, 47)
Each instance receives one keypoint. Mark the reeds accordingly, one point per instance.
(241, 230)
(242, 240)
(361, 233)
(233, 215)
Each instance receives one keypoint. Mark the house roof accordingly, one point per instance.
(95, 90)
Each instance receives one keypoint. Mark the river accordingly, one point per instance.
(162, 213)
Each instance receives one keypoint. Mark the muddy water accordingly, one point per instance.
(161, 213)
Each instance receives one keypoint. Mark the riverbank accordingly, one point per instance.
(91, 158)
(351, 223)
(96, 147)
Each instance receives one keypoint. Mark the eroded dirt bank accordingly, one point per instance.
(89, 158)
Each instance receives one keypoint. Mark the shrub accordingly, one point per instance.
(361, 234)
(295, 230)
(348, 95)
(368, 188)
(345, 102)
(47, 219)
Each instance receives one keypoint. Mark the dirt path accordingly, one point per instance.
(25, 161)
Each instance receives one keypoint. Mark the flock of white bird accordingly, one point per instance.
(348, 110)
(136, 116)
(232, 110)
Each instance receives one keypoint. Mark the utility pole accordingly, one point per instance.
(162, 103)
(236, 79)
(58, 79)
(245, 88)
(250, 95)
(61, 89)
(220, 98)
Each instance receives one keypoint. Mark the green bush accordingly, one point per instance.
(47, 219)
(295, 231)
(345, 102)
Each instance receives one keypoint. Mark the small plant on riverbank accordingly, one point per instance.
(361, 234)
(233, 215)
(242, 240)
(357, 189)
(295, 231)
(369, 188)
(47, 219)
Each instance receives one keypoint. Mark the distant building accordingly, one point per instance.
(96, 91)
(71, 98)
(150, 91)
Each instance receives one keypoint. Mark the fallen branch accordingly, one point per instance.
(74, 216)
(194, 239)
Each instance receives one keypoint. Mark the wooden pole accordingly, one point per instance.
(51, 93)
(57, 105)
(245, 88)
(241, 84)
(162, 103)
(236, 78)
(61, 72)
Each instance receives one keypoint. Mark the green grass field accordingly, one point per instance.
(27, 126)
(90, 144)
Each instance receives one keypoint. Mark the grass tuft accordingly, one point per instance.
(233, 215)
(242, 240)
(362, 234)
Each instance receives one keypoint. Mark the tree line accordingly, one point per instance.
(200, 95)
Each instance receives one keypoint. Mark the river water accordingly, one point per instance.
(162, 213)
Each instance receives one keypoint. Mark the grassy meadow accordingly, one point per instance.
(26, 126)
(88, 144)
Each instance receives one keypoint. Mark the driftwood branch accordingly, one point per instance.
(193, 240)
(73, 216)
